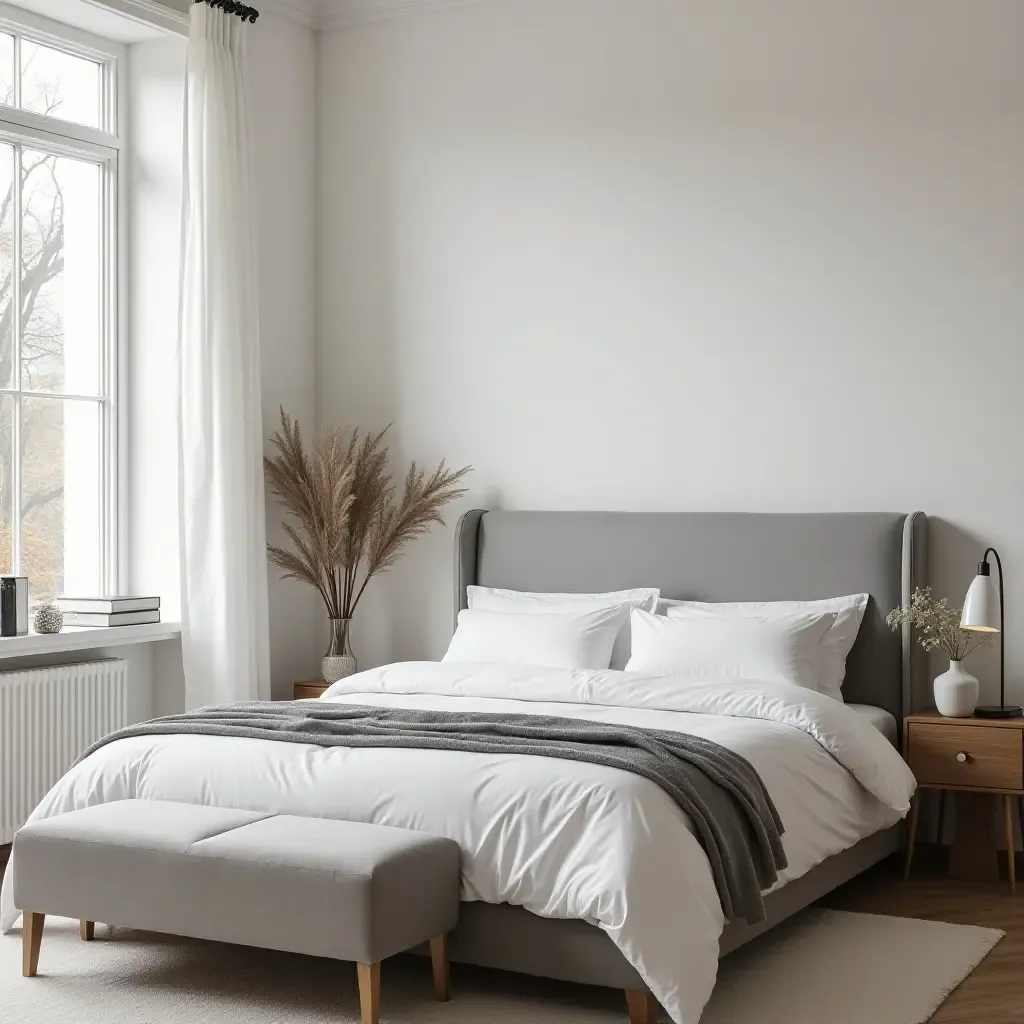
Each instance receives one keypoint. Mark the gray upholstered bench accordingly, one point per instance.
(339, 889)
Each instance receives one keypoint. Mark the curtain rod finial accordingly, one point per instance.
(245, 12)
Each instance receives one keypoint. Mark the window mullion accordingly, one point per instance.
(17, 71)
(107, 372)
(108, 97)
(15, 511)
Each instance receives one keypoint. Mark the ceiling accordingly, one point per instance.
(338, 14)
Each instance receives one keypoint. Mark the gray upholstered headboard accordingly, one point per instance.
(721, 557)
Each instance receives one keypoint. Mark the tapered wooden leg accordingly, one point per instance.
(915, 812)
(439, 962)
(1011, 844)
(1020, 818)
(369, 992)
(642, 1006)
(87, 930)
(31, 937)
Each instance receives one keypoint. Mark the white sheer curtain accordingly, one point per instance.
(223, 530)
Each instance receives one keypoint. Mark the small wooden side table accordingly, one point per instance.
(975, 759)
(301, 691)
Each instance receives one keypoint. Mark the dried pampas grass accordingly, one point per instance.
(348, 522)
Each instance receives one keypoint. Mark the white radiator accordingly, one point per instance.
(48, 716)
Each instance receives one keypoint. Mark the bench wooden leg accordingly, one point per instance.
(31, 938)
(87, 930)
(369, 992)
(442, 973)
(642, 1006)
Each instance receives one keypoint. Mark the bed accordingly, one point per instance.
(709, 557)
(536, 899)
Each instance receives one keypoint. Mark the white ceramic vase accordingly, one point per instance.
(956, 692)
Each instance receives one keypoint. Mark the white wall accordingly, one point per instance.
(655, 254)
(156, 73)
(282, 59)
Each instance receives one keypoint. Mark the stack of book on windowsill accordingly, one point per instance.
(109, 611)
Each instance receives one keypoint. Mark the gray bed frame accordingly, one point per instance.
(710, 557)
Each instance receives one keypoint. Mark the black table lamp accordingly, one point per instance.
(983, 611)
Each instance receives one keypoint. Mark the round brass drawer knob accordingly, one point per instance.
(961, 757)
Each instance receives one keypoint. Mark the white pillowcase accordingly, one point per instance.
(727, 649)
(570, 640)
(835, 645)
(497, 600)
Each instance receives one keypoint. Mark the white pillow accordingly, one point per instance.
(835, 645)
(497, 600)
(570, 640)
(781, 649)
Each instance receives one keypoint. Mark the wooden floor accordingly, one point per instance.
(994, 993)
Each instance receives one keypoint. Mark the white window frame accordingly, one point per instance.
(102, 146)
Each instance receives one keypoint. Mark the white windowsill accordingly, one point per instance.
(84, 638)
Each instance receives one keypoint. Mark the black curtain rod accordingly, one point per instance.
(234, 7)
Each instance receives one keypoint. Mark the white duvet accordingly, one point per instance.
(561, 838)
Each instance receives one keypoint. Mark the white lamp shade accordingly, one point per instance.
(981, 606)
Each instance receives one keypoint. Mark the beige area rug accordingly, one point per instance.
(825, 967)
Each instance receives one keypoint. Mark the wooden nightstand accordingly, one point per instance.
(304, 690)
(976, 759)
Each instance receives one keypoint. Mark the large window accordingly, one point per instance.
(58, 311)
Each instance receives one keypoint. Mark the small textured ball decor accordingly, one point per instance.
(48, 619)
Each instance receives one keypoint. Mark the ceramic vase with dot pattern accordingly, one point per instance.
(339, 662)
(48, 618)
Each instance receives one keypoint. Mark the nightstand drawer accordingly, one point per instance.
(991, 755)
(303, 691)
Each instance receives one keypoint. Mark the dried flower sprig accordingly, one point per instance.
(938, 625)
(348, 522)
